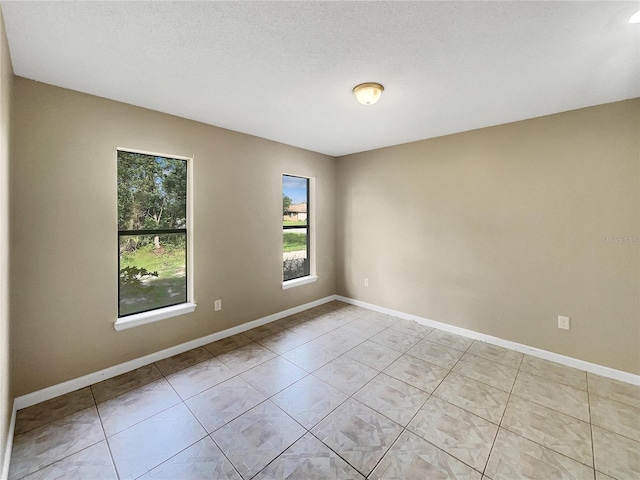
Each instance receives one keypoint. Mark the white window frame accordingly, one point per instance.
(311, 253)
(190, 305)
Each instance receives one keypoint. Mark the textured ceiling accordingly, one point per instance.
(285, 70)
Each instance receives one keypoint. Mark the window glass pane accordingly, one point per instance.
(152, 272)
(294, 200)
(152, 192)
(295, 260)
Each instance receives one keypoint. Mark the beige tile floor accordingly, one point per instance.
(338, 392)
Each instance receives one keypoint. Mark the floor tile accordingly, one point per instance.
(554, 371)
(358, 434)
(414, 328)
(310, 364)
(414, 371)
(183, 360)
(615, 455)
(313, 312)
(411, 457)
(51, 410)
(273, 375)
(618, 417)
(483, 400)
(290, 321)
(263, 331)
(200, 377)
(514, 457)
(308, 459)
(350, 312)
(555, 430)
(435, 353)
(464, 435)
(310, 356)
(333, 320)
(92, 463)
(361, 329)
(391, 397)
(132, 407)
(374, 355)
(309, 400)
(562, 398)
(147, 444)
(378, 318)
(345, 307)
(310, 330)
(49, 443)
(395, 339)
(282, 342)
(322, 324)
(614, 389)
(504, 356)
(450, 340)
(201, 460)
(346, 374)
(112, 387)
(227, 344)
(248, 356)
(486, 371)
(219, 405)
(339, 342)
(258, 436)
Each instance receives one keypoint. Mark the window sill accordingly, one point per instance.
(153, 316)
(299, 281)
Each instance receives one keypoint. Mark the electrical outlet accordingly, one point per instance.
(217, 305)
(563, 322)
(366, 282)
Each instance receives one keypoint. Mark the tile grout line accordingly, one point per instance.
(308, 430)
(82, 449)
(506, 405)
(195, 416)
(104, 432)
(602, 427)
(349, 397)
(268, 398)
(500, 426)
(405, 428)
(463, 409)
(593, 448)
(536, 442)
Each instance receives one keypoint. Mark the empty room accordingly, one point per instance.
(320, 240)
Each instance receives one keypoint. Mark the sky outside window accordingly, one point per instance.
(295, 188)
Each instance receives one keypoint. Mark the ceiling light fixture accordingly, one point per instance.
(368, 93)
(635, 18)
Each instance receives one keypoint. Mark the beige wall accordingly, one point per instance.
(6, 82)
(63, 231)
(501, 230)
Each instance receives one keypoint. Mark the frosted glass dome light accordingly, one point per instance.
(368, 93)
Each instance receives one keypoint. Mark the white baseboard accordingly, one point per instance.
(7, 451)
(81, 382)
(518, 347)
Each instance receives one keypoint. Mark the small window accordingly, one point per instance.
(152, 232)
(295, 227)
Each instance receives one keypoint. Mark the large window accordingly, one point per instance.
(295, 227)
(152, 232)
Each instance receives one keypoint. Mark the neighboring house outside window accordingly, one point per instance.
(152, 232)
(296, 212)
